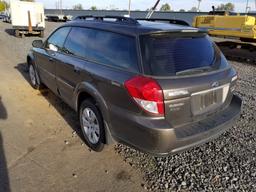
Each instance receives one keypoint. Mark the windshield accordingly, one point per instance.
(166, 54)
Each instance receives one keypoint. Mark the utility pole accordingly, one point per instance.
(61, 7)
(199, 3)
(129, 13)
(5, 6)
(57, 4)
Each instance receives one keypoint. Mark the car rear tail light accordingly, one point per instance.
(233, 86)
(147, 94)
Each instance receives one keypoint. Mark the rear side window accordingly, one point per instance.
(104, 47)
(167, 55)
(58, 37)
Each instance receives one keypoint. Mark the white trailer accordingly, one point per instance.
(27, 18)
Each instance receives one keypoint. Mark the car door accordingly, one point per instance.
(70, 63)
(46, 57)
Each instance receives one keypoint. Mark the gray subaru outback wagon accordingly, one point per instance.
(161, 88)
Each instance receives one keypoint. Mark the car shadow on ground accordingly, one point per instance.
(4, 178)
(68, 114)
(10, 32)
(3, 112)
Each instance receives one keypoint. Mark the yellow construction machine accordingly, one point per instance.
(228, 25)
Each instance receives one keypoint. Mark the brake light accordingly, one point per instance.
(147, 94)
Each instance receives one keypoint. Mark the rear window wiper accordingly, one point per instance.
(194, 70)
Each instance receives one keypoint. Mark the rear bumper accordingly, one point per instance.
(155, 137)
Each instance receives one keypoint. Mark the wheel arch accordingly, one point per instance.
(87, 91)
(30, 60)
(30, 57)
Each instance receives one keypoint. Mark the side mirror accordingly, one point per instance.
(37, 43)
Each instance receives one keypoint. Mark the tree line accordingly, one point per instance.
(165, 7)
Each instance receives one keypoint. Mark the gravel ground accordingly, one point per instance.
(226, 164)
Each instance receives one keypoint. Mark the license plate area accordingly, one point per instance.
(208, 100)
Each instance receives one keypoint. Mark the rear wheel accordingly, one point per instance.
(17, 33)
(92, 125)
(41, 34)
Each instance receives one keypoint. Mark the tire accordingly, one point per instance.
(33, 77)
(41, 34)
(247, 40)
(91, 123)
(17, 33)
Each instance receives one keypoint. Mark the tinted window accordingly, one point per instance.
(167, 55)
(76, 42)
(58, 37)
(103, 47)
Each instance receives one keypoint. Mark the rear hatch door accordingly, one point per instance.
(193, 73)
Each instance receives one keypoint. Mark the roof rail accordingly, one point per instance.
(171, 21)
(81, 17)
(118, 19)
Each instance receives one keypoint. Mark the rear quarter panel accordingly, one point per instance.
(106, 85)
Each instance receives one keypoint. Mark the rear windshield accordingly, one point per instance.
(169, 54)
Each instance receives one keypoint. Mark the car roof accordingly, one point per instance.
(142, 27)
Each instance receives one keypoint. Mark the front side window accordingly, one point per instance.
(76, 42)
(104, 47)
(58, 38)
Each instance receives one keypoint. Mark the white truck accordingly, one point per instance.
(27, 18)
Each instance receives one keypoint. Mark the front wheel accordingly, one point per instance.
(34, 79)
(92, 125)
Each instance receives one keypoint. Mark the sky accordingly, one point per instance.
(176, 5)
